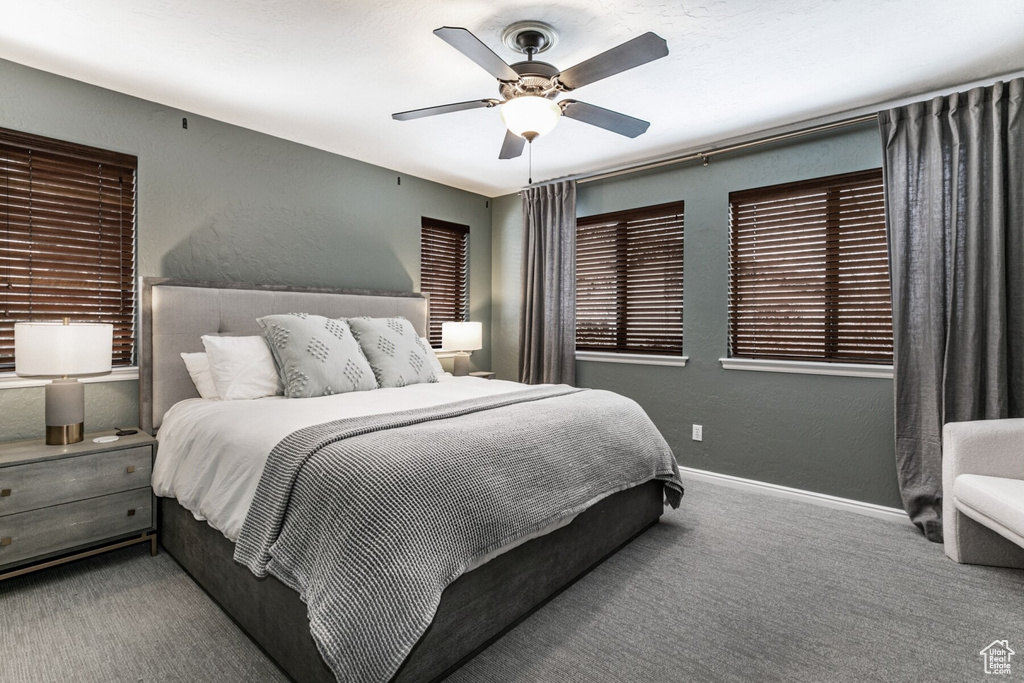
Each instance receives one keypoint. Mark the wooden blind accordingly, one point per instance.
(444, 273)
(67, 238)
(629, 281)
(809, 271)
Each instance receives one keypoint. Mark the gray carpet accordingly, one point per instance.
(731, 587)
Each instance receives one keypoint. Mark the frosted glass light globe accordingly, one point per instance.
(530, 116)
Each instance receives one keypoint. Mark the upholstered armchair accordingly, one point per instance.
(983, 492)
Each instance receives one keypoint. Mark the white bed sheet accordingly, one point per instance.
(211, 454)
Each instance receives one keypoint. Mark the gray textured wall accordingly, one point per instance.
(221, 202)
(827, 434)
(506, 284)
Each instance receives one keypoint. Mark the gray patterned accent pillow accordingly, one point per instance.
(316, 356)
(395, 351)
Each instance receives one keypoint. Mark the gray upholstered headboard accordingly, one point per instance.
(176, 313)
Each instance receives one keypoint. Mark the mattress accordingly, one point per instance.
(211, 453)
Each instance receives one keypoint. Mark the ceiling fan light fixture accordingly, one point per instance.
(528, 88)
(530, 116)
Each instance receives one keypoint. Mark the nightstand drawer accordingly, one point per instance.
(40, 532)
(41, 484)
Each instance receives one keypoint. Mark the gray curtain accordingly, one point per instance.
(954, 196)
(547, 315)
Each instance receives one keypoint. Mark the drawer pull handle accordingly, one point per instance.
(5, 541)
(4, 493)
(131, 468)
(131, 513)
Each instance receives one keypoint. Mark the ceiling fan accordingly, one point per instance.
(528, 89)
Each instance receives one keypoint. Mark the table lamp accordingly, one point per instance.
(461, 337)
(65, 351)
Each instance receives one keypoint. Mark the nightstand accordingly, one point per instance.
(482, 374)
(62, 503)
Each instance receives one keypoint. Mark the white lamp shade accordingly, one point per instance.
(462, 336)
(530, 115)
(56, 350)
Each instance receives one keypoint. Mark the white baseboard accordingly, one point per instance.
(825, 500)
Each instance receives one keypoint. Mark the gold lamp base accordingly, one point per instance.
(62, 435)
(65, 411)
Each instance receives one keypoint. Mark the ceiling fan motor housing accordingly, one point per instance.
(535, 78)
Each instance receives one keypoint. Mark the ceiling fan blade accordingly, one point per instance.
(512, 146)
(471, 46)
(632, 53)
(442, 109)
(604, 118)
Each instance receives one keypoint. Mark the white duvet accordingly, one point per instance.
(211, 454)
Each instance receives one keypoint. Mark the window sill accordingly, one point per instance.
(631, 358)
(8, 380)
(808, 367)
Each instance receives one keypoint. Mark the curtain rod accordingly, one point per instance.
(870, 115)
(706, 156)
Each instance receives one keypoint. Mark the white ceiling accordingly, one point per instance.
(329, 73)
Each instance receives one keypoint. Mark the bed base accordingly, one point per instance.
(474, 611)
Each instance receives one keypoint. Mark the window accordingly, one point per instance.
(444, 273)
(809, 272)
(629, 281)
(67, 238)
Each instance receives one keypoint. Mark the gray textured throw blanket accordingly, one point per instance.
(371, 518)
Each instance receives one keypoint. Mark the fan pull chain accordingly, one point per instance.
(530, 155)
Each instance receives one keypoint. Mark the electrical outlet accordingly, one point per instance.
(698, 433)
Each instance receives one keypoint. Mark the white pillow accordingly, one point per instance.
(242, 367)
(198, 365)
(432, 358)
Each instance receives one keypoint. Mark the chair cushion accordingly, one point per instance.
(996, 502)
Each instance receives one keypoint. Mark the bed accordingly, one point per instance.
(474, 609)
